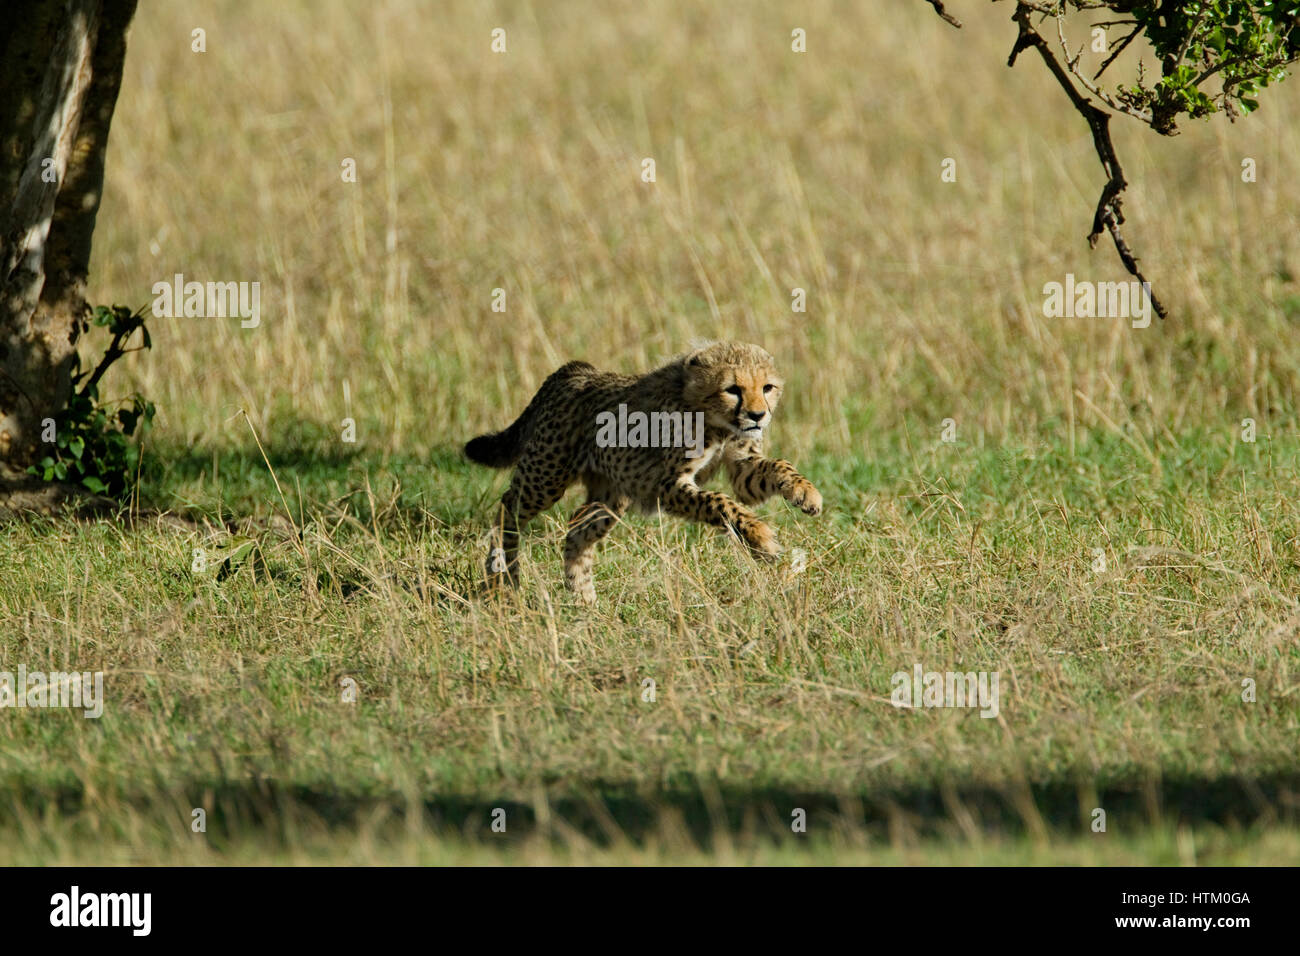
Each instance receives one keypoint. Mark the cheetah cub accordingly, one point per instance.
(652, 441)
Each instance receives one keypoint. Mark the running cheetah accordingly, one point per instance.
(703, 411)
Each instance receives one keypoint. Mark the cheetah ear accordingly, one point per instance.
(698, 347)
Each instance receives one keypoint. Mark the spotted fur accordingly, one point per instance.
(553, 444)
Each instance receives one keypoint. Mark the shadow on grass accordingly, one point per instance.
(608, 814)
(325, 474)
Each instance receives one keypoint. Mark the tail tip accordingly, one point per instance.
(476, 449)
(487, 450)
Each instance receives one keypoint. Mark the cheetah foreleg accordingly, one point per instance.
(755, 479)
(686, 500)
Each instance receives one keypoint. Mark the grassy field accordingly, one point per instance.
(1099, 533)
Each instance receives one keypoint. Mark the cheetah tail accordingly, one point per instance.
(499, 450)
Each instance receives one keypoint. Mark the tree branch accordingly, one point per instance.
(938, 8)
(1109, 215)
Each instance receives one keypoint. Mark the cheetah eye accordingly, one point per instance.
(736, 390)
(768, 388)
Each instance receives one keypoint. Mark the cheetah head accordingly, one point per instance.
(736, 387)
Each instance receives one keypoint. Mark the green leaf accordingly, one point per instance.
(94, 484)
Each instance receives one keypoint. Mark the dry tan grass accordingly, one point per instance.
(775, 170)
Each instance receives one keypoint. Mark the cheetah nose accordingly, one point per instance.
(756, 416)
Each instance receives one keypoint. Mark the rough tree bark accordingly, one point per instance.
(60, 71)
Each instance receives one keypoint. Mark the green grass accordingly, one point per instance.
(1120, 689)
(1077, 440)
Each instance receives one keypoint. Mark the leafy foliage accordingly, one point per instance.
(93, 444)
(1240, 46)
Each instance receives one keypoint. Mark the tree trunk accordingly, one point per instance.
(60, 71)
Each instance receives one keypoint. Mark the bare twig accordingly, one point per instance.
(1123, 44)
(938, 8)
(1070, 63)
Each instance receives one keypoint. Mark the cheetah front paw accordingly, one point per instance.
(804, 495)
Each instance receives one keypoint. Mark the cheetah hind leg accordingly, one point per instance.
(588, 525)
(522, 501)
